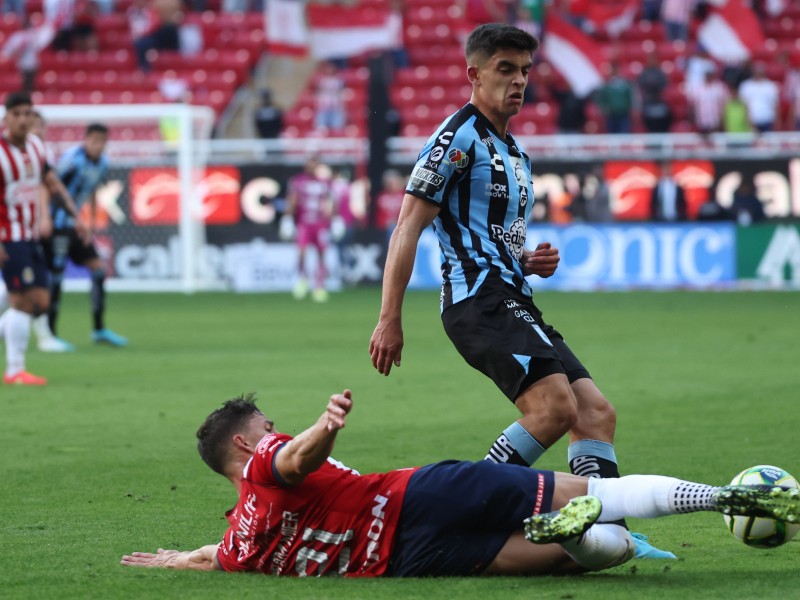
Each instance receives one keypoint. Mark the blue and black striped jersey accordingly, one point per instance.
(81, 176)
(483, 185)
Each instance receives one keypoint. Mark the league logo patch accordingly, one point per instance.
(458, 157)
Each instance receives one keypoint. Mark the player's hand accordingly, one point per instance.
(339, 407)
(386, 345)
(542, 262)
(164, 559)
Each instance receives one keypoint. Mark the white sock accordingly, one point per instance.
(17, 332)
(41, 327)
(649, 496)
(3, 296)
(603, 546)
(3, 324)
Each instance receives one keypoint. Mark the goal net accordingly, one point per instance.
(150, 213)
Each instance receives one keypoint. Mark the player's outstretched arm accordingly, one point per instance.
(542, 262)
(202, 559)
(306, 453)
(386, 344)
(54, 185)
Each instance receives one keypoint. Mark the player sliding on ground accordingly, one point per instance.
(302, 513)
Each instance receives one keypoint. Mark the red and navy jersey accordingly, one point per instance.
(21, 173)
(337, 522)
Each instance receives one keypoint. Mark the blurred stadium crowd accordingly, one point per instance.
(618, 66)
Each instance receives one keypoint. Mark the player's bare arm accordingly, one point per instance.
(45, 219)
(543, 261)
(386, 344)
(306, 453)
(202, 559)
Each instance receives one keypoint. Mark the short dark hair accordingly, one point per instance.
(487, 39)
(96, 128)
(14, 99)
(216, 431)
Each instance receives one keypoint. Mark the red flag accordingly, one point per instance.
(731, 33)
(573, 54)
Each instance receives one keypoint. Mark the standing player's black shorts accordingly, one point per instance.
(501, 333)
(26, 266)
(65, 244)
(457, 515)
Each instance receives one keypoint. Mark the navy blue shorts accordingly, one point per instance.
(26, 266)
(457, 516)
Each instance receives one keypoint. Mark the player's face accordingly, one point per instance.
(95, 144)
(257, 428)
(498, 84)
(19, 121)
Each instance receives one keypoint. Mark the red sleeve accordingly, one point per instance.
(262, 467)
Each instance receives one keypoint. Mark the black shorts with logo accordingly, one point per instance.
(65, 244)
(501, 333)
(25, 267)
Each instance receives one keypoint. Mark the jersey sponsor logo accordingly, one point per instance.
(514, 239)
(501, 450)
(246, 526)
(422, 179)
(289, 524)
(497, 163)
(437, 154)
(488, 141)
(519, 170)
(445, 138)
(458, 158)
(496, 190)
(523, 195)
(376, 529)
(155, 194)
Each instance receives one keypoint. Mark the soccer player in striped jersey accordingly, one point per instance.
(23, 216)
(473, 182)
(83, 169)
(301, 513)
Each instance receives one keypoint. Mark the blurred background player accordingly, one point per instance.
(83, 169)
(23, 215)
(311, 205)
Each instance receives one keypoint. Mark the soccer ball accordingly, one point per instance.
(760, 532)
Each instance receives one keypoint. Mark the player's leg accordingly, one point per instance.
(320, 294)
(55, 251)
(25, 275)
(498, 335)
(300, 290)
(86, 255)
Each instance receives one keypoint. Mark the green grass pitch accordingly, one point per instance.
(102, 462)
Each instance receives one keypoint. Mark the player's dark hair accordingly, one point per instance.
(14, 99)
(487, 39)
(96, 128)
(213, 437)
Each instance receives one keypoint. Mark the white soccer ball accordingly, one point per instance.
(760, 532)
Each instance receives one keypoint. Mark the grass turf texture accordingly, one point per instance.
(102, 461)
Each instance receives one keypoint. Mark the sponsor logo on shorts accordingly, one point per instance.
(458, 157)
(514, 239)
(27, 275)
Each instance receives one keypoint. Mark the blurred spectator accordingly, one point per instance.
(24, 46)
(235, 6)
(761, 97)
(173, 88)
(164, 34)
(733, 74)
(791, 95)
(707, 104)
(592, 202)
(268, 117)
(667, 200)
(141, 19)
(16, 7)
(330, 99)
(571, 110)
(576, 12)
(697, 66)
(675, 15)
(84, 35)
(395, 25)
(746, 207)
(656, 113)
(711, 210)
(615, 100)
(390, 200)
(531, 16)
(651, 10)
(735, 119)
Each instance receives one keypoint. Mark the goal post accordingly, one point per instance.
(167, 143)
